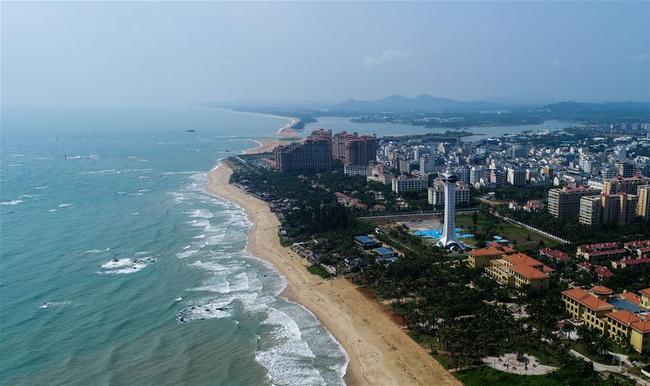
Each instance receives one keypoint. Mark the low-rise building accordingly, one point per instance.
(554, 254)
(596, 310)
(355, 170)
(520, 270)
(367, 241)
(479, 258)
(607, 251)
(405, 183)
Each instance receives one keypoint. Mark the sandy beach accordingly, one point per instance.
(380, 351)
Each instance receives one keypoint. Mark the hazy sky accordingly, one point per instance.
(93, 54)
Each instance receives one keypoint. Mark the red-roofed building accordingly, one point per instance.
(554, 254)
(601, 251)
(602, 272)
(640, 335)
(587, 307)
(594, 309)
(620, 324)
(639, 248)
(479, 258)
(520, 270)
(631, 263)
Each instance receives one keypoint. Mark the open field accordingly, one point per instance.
(522, 238)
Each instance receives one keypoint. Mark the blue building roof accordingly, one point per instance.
(623, 304)
(366, 239)
(383, 251)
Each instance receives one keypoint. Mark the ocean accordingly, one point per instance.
(118, 268)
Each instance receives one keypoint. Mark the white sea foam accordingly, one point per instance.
(126, 265)
(53, 210)
(93, 251)
(201, 213)
(40, 187)
(54, 304)
(64, 205)
(105, 171)
(187, 253)
(12, 202)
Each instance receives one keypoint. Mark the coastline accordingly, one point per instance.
(378, 350)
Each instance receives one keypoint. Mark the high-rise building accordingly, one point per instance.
(427, 164)
(591, 210)
(516, 176)
(449, 239)
(625, 169)
(628, 205)
(643, 205)
(476, 173)
(313, 154)
(617, 208)
(353, 149)
(623, 184)
(565, 202)
(519, 151)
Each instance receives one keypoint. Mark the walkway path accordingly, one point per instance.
(510, 364)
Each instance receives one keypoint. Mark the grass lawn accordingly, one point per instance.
(318, 270)
(488, 376)
(523, 238)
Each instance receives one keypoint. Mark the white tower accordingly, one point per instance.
(448, 239)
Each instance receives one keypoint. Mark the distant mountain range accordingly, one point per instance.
(431, 104)
(422, 103)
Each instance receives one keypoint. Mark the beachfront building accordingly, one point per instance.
(617, 316)
(313, 154)
(520, 270)
(353, 149)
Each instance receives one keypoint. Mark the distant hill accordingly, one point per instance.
(422, 103)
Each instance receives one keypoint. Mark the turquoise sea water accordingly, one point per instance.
(118, 268)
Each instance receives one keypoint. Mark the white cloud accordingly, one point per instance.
(388, 55)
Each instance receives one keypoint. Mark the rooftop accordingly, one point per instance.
(555, 254)
(643, 326)
(587, 299)
(623, 316)
(602, 290)
(494, 250)
(528, 272)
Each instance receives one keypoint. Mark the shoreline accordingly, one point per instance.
(378, 349)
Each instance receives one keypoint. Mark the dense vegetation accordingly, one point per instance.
(572, 230)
